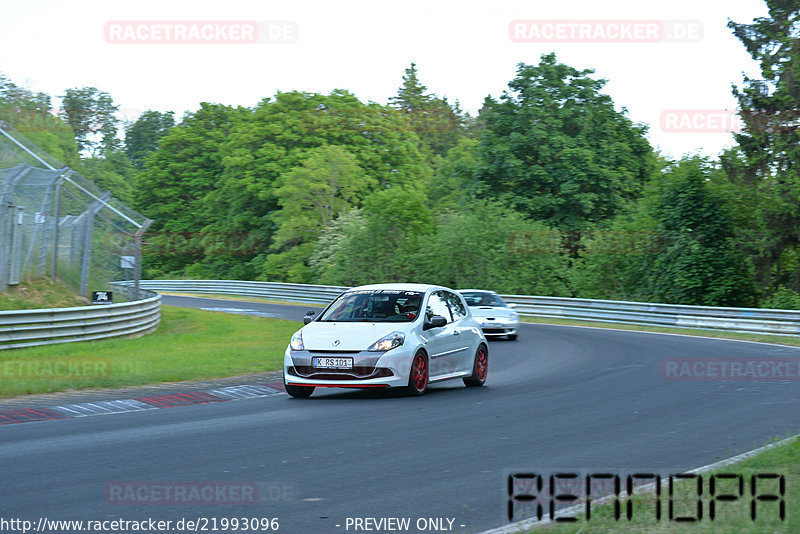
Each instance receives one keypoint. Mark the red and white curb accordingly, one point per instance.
(86, 409)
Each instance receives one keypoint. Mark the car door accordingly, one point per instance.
(463, 333)
(443, 342)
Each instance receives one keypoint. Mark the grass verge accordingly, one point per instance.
(732, 516)
(40, 293)
(240, 298)
(762, 338)
(188, 345)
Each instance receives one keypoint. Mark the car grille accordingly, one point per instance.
(356, 373)
(313, 352)
(494, 330)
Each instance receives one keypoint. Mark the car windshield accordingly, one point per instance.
(481, 298)
(374, 306)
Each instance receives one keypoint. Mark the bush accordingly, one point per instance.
(783, 299)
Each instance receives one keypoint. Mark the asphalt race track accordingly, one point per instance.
(559, 397)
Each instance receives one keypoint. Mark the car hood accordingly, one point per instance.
(490, 311)
(351, 336)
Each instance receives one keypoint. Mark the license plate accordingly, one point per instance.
(490, 325)
(332, 363)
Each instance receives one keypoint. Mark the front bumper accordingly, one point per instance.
(498, 327)
(370, 369)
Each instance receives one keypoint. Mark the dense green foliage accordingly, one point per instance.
(675, 244)
(551, 189)
(766, 163)
(142, 135)
(32, 114)
(555, 148)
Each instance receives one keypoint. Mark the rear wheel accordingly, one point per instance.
(479, 369)
(418, 377)
(299, 392)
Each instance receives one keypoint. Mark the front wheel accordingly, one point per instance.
(479, 369)
(418, 377)
(299, 392)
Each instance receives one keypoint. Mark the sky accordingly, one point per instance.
(670, 64)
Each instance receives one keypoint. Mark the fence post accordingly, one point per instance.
(15, 259)
(88, 230)
(5, 243)
(56, 224)
(137, 271)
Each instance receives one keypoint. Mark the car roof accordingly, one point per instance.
(403, 287)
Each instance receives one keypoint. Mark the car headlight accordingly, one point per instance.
(388, 342)
(514, 316)
(297, 341)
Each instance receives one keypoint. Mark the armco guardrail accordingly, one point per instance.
(752, 320)
(29, 328)
(269, 290)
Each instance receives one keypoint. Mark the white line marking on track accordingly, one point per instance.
(244, 392)
(103, 407)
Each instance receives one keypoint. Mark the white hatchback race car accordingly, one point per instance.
(385, 335)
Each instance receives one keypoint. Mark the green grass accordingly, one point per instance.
(240, 298)
(188, 345)
(40, 293)
(793, 341)
(731, 517)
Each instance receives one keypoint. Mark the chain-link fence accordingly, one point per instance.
(54, 222)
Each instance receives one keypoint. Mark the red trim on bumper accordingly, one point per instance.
(339, 386)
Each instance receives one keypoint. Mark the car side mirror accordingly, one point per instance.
(434, 322)
(309, 316)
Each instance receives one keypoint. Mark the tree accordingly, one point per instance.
(676, 245)
(113, 173)
(554, 148)
(327, 185)
(32, 115)
(279, 134)
(173, 187)
(311, 196)
(767, 163)
(701, 263)
(380, 243)
(617, 257)
(412, 95)
(453, 184)
(487, 245)
(438, 125)
(92, 115)
(142, 136)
